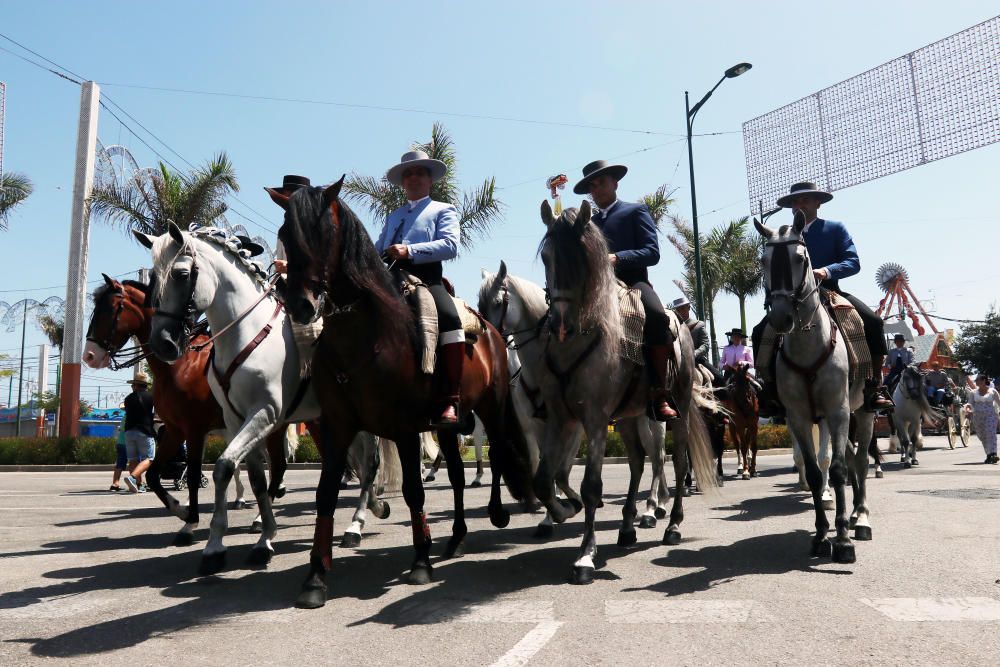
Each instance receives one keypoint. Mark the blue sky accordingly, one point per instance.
(619, 65)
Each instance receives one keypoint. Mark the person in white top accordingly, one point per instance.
(984, 401)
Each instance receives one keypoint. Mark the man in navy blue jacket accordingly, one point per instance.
(833, 256)
(631, 236)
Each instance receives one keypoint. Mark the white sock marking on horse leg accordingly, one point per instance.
(585, 561)
(356, 527)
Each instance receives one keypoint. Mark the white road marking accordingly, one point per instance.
(529, 645)
(683, 611)
(936, 609)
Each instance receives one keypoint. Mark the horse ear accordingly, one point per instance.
(332, 193)
(763, 229)
(279, 198)
(800, 222)
(144, 239)
(502, 273)
(582, 218)
(547, 216)
(175, 232)
(108, 280)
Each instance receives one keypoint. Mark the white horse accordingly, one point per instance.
(585, 383)
(821, 447)
(912, 407)
(255, 370)
(812, 378)
(517, 308)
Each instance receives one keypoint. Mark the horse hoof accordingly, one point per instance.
(212, 563)
(313, 595)
(626, 538)
(573, 505)
(879, 474)
(754, 473)
(350, 541)
(822, 549)
(381, 510)
(672, 537)
(429, 478)
(240, 504)
(475, 484)
(280, 493)
(183, 540)
(582, 575)
(260, 556)
(257, 526)
(454, 549)
(499, 517)
(745, 475)
(843, 553)
(914, 462)
(543, 531)
(828, 504)
(863, 533)
(420, 574)
(659, 513)
(907, 464)
(647, 521)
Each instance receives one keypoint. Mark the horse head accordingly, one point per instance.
(118, 315)
(578, 274)
(788, 278)
(311, 235)
(185, 288)
(494, 299)
(911, 381)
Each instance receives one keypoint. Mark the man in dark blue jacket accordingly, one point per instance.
(631, 236)
(833, 256)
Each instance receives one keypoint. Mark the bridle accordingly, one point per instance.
(512, 344)
(106, 343)
(798, 296)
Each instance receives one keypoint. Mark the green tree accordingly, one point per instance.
(148, 200)
(53, 329)
(14, 189)
(478, 208)
(742, 268)
(659, 203)
(49, 401)
(977, 347)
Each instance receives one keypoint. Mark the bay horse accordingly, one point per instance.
(367, 375)
(812, 376)
(744, 412)
(586, 383)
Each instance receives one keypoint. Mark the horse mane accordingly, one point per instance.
(308, 235)
(221, 239)
(531, 294)
(582, 259)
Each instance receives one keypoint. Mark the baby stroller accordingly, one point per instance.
(176, 469)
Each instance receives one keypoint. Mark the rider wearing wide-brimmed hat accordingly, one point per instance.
(289, 184)
(899, 357)
(631, 236)
(699, 336)
(418, 236)
(736, 354)
(833, 257)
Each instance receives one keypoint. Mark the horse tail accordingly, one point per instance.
(390, 470)
(700, 450)
(516, 463)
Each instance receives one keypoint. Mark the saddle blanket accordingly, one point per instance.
(633, 320)
(419, 297)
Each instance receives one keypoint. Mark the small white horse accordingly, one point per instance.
(255, 372)
(812, 379)
(912, 407)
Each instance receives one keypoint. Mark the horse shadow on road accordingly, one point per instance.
(775, 554)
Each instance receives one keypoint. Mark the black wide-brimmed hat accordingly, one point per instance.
(595, 169)
(899, 336)
(249, 244)
(737, 332)
(290, 183)
(804, 188)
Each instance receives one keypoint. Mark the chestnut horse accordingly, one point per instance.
(741, 402)
(367, 374)
(181, 394)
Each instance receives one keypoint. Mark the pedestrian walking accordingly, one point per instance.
(139, 433)
(121, 457)
(984, 401)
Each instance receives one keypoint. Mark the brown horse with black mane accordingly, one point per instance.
(744, 412)
(368, 377)
(181, 395)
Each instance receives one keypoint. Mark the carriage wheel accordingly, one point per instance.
(951, 432)
(180, 483)
(965, 430)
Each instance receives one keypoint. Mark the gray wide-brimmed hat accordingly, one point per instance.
(416, 159)
(595, 169)
(804, 188)
(678, 302)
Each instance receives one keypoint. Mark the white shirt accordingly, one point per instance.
(414, 204)
(606, 211)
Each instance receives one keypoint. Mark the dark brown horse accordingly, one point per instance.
(741, 402)
(368, 377)
(181, 395)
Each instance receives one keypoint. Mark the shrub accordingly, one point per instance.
(96, 451)
(56, 451)
(307, 452)
(214, 446)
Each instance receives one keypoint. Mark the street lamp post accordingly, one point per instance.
(730, 73)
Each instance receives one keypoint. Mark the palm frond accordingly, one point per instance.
(14, 189)
(659, 203)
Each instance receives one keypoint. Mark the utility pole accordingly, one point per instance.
(20, 373)
(43, 385)
(79, 248)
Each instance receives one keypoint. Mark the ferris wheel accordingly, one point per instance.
(894, 281)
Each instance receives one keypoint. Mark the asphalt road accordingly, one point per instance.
(90, 576)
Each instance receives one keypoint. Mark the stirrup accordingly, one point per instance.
(660, 408)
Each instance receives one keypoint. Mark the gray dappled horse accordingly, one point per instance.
(912, 407)
(811, 371)
(585, 383)
(518, 309)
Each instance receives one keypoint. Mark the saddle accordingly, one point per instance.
(633, 319)
(418, 296)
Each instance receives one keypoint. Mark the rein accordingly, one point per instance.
(270, 289)
(225, 379)
(564, 376)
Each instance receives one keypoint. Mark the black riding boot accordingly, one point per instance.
(451, 386)
(768, 401)
(659, 357)
(877, 397)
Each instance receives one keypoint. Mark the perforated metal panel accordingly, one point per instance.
(935, 102)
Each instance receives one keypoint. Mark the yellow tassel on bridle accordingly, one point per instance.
(554, 184)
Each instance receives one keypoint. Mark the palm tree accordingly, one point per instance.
(14, 189)
(744, 273)
(659, 203)
(53, 329)
(478, 208)
(150, 198)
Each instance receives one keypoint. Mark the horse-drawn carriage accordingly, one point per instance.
(951, 420)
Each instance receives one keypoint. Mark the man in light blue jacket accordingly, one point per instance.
(419, 236)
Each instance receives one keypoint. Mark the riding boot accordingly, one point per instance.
(450, 386)
(767, 399)
(877, 397)
(659, 357)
